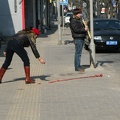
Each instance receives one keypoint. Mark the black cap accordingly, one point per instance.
(77, 10)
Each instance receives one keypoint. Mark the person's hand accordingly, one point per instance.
(4, 53)
(41, 60)
(86, 28)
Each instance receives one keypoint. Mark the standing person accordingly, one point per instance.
(78, 31)
(16, 44)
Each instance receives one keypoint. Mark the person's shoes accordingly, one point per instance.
(80, 70)
(29, 81)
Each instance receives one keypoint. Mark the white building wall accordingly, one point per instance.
(10, 16)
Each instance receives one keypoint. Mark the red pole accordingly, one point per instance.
(23, 14)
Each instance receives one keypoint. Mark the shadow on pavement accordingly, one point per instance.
(50, 31)
(42, 77)
(101, 63)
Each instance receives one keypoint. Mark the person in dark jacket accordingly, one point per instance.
(16, 44)
(78, 31)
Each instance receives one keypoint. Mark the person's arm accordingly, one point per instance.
(35, 51)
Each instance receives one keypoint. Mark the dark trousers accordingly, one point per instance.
(14, 46)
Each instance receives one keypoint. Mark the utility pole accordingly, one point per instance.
(59, 23)
(92, 44)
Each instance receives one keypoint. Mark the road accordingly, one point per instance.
(110, 61)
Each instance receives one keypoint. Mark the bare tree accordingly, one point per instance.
(98, 5)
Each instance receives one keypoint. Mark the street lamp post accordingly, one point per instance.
(92, 45)
(59, 23)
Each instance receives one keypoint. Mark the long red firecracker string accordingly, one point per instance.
(97, 75)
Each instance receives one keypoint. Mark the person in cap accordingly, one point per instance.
(16, 44)
(78, 31)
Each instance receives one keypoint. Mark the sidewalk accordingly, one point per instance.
(59, 93)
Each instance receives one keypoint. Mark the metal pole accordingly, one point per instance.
(15, 6)
(63, 19)
(59, 23)
(92, 45)
(34, 14)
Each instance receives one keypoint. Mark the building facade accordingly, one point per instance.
(19, 14)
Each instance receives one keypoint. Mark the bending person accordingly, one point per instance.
(16, 44)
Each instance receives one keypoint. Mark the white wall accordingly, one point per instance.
(10, 21)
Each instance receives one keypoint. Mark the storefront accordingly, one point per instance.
(18, 14)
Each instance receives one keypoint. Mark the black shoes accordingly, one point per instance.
(80, 70)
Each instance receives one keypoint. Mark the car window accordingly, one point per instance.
(99, 25)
